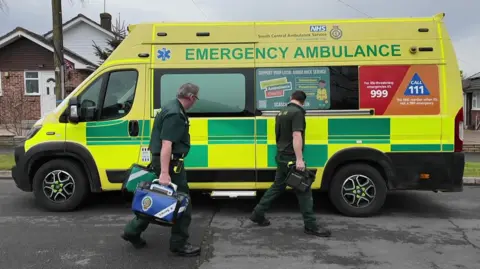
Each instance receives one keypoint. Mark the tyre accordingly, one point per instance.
(358, 190)
(60, 185)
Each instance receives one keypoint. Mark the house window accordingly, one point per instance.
(475, 100)
(32, 83)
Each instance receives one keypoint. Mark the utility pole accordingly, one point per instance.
(58, 49)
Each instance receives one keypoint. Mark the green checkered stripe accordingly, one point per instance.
(115, 133)
(248, 131)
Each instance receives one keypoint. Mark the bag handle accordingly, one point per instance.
(290, 163)
(174, 186)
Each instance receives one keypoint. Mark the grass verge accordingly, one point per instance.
(6, 161)
(472, 169)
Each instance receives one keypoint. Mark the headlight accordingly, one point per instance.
(33, 131)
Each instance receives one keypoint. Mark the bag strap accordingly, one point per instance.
(150, 166)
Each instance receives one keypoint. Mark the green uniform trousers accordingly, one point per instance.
(179, 233)
(305, 199)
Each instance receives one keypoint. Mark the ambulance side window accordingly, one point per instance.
(109, 97)
(223, 92)
(89, 99)
(327, 88)
(119, 94)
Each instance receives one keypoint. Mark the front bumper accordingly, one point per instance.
(19, 170)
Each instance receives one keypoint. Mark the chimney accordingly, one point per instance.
(106, 21)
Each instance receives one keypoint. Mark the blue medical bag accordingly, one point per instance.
(162, 205)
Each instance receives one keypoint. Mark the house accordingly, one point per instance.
(80, 31)
(27, 72)
(471, 97)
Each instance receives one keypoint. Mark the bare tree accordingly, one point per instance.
(16, 109)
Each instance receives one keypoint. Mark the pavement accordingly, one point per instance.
(415, 230)
(472, 157)
(4, 150)
(471, 137)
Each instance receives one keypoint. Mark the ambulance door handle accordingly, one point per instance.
(133, 128)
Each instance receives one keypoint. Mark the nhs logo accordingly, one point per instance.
(318, 28)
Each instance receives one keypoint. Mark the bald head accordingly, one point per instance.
(188, 94)
(187, 90)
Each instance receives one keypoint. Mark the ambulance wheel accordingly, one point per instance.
(60, 185)
(358, 190)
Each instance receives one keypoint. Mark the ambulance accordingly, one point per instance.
(383, 110)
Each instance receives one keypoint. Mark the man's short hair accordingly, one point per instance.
(299, 96)
(187, 90)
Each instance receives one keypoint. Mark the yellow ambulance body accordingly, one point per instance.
(384, 110)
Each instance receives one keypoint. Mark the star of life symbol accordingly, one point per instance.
(163, 54)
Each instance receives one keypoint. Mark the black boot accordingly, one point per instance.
(187, 250)
(136, 241)
(320, 232)
(261, 221)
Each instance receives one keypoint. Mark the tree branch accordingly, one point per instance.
(120, 31)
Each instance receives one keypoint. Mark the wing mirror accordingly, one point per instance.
(74, 110)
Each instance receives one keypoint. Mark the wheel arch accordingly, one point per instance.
(371, 156)
(44, 152)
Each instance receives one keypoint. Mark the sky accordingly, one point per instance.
(462, 16)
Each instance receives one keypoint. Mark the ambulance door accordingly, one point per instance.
(265, 144)
(112, 120)
(222, 122)
(271, 90)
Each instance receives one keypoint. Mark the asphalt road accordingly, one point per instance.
(416, 230)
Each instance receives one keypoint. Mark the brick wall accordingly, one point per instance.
(474, 114)
(27, 55)
(471, 147)
(74, 78)
(15, 105)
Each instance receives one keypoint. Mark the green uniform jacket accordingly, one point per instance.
(172, 124)
(289, 120)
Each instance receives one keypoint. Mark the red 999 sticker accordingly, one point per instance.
(400, 90)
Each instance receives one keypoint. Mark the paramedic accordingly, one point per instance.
(290, 127)
(170, 141)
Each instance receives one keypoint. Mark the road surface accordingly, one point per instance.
(416, 230)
